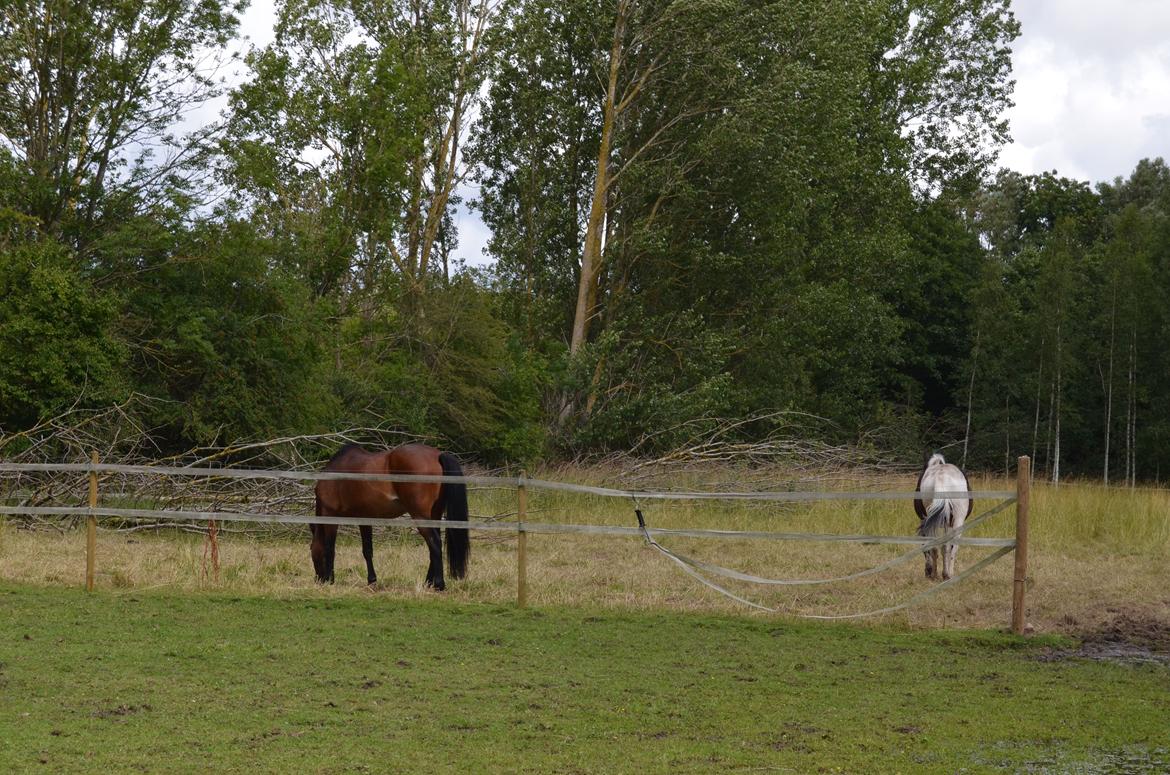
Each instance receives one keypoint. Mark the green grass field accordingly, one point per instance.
(171, 681)
(623, 663)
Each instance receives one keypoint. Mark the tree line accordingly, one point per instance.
(701, 211)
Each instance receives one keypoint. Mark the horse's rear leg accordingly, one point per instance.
(323, 549)
(931, 563)
(331, 549)
(317, 552)
(950, 551)
(435, 548)
(368, 552)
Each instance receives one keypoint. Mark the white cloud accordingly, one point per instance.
(1087, 29)
(1093, 86)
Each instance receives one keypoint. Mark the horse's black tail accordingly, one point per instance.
(455, 498)
(937, 521)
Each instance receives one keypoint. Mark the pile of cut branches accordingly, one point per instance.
(118, 436)
(775, 451)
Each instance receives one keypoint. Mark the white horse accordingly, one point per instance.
(939, 515)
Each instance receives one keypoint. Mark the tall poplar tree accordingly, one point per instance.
(91, 96)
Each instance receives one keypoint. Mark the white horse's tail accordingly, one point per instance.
(939, 519)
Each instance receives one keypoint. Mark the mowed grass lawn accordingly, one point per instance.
(172, 681)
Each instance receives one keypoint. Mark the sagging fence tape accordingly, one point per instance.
(951, 537)
(686, 565)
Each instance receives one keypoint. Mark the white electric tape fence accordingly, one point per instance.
(691, 566)
(694, 567)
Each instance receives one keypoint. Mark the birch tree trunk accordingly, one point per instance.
(1048, 432)
(1036, 421)
(1109, 387)
(1131, 419)
(1007, 436)
(1059, 390)
(970, 397)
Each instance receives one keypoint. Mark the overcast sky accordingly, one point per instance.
(1092, 91)
(1092, 87)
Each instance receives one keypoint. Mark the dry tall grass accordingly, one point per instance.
(1095, 552)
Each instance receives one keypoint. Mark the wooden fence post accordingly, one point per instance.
(521, 545)
(91, 525)
(1020, 577)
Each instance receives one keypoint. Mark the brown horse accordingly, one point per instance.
(366, 498)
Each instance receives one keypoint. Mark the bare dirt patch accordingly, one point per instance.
(1130, 635)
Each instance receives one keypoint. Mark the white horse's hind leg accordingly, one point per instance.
(952, 550)
(931, 563)
(949, 553)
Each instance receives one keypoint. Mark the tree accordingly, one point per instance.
(346, 150)
(1128, 317)
(940, 74)
(90, 95)
(232, 340)
(533, 151)
(1021, 211)
(738, 159)
(1039, 231)
(353, 120)
(50, 360)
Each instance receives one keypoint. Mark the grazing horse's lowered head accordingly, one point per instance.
(939, 515)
